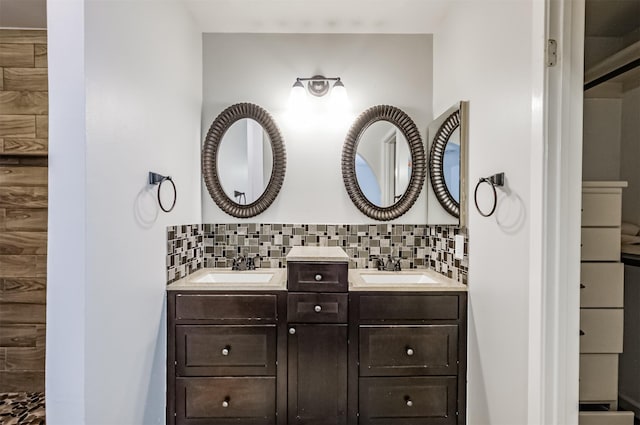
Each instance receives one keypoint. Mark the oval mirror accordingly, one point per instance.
(383, 162)
(243, 160)
(445, 159)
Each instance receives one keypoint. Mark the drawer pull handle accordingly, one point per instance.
(226, 350)
(582, 286)
(581, 332)
(318, 277)
(226, 402)
(317, 308)
(292, 331)
(408, 400)
(409, 351)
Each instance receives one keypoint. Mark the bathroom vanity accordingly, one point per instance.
(316, 343)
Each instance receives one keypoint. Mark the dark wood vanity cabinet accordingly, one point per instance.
(408, 363)
(316, 358)
(226, 358)
(318, 344)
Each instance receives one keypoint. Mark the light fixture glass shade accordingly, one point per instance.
(298, 95)
(339, 98)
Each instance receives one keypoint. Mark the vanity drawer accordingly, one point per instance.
(600, 244)
(317, 308)
(602, 285)
(598, 377)
(225, 350)
(408, 350)
(415, 307)
(317, 277)
(601, 330)
(408, 401)
(226, 401)
(226, 307)
(605, 418)
(601, 209)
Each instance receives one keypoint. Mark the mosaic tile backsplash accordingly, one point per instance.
(184, 250)
(215, 245)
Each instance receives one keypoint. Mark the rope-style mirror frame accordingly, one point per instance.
(418, 160)
(436, 164)
(211, 148)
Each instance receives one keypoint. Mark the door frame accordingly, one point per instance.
(555, 263)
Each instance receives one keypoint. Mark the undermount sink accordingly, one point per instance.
(233, 277)
(390, 278)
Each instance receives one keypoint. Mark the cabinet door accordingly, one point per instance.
(317, 374)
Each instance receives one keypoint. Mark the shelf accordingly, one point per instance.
(622, 68)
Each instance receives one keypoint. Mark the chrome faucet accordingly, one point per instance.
(242, 262)
(251, 262)
(239, 263)
(390, 265)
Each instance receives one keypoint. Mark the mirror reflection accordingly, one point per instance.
(451, 165)
(447, 138)
(383, 163)
(245, 161)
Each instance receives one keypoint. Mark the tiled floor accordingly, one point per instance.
(22, 408)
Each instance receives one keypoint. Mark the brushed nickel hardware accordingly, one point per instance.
(226, 402)
(226, 350)
(317, 309)
(318, 277)
(292, 331)
(409, 351)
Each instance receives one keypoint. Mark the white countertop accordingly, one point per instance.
(197, 281)
(317, 253)
(278, 281)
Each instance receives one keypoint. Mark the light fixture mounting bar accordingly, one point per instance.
(318, 85)
(319, 78)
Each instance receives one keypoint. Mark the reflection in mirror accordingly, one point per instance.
(451, 165)
(383, 163)
(447, 136)
(245, 161)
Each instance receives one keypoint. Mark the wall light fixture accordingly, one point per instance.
(318, 86)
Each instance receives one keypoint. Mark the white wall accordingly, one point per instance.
(67, 244)
(601, 139)
(484, 53)
(143, 70)
(630, 155)
(263, 73)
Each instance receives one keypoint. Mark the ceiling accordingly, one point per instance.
(604, 18)
(312, 16)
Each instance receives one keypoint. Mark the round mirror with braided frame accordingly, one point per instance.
(211, 152)
(436, 164)
(417, 159)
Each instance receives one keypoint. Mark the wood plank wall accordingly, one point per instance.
(23, 208)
